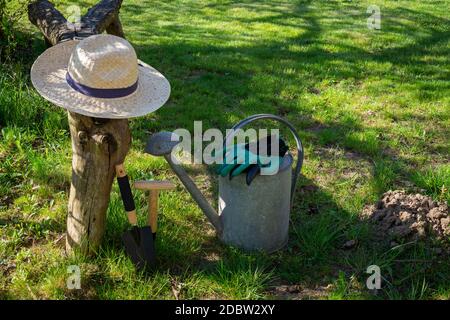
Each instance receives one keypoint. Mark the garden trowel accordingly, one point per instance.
(138, 241)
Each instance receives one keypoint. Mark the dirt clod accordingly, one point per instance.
(350, 244)
(399, 215)
(314, 90)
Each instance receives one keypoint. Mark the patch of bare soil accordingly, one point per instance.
(402, 216)
(298, 292)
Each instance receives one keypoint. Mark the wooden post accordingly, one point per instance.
(97, 144)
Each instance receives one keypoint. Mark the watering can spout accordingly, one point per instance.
(162, 144)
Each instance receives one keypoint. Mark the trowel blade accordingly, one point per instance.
(140, 247)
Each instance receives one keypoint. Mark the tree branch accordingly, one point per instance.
(100, 16)
(50, 21)
(103, 16)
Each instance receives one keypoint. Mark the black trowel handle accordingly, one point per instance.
(125, 192)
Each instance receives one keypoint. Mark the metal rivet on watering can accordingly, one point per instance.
(252, 217)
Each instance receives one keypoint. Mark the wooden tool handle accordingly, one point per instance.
(154, 187)
(153, 209)
(125, 192)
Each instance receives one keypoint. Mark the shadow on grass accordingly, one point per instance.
(319, 225)
(230, 89)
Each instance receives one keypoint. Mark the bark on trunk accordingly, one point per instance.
(97, 144)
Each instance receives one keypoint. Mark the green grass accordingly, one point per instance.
(372, 108)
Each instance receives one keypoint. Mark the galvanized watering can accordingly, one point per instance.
(254, 217)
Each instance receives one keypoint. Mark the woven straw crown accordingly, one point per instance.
(104, 63)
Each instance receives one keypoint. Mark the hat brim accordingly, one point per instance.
(48, 75)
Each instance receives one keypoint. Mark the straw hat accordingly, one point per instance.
(99, 76)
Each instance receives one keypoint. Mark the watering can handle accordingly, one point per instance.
(300, 153)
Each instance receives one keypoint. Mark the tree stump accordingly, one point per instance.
(97, 144)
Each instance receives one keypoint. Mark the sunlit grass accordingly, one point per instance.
(371, 107)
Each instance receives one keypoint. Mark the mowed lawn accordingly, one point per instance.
(372, 109)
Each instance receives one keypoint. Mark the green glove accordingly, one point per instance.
(235, 156)
(238, 161)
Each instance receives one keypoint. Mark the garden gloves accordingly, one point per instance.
(241, 158)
